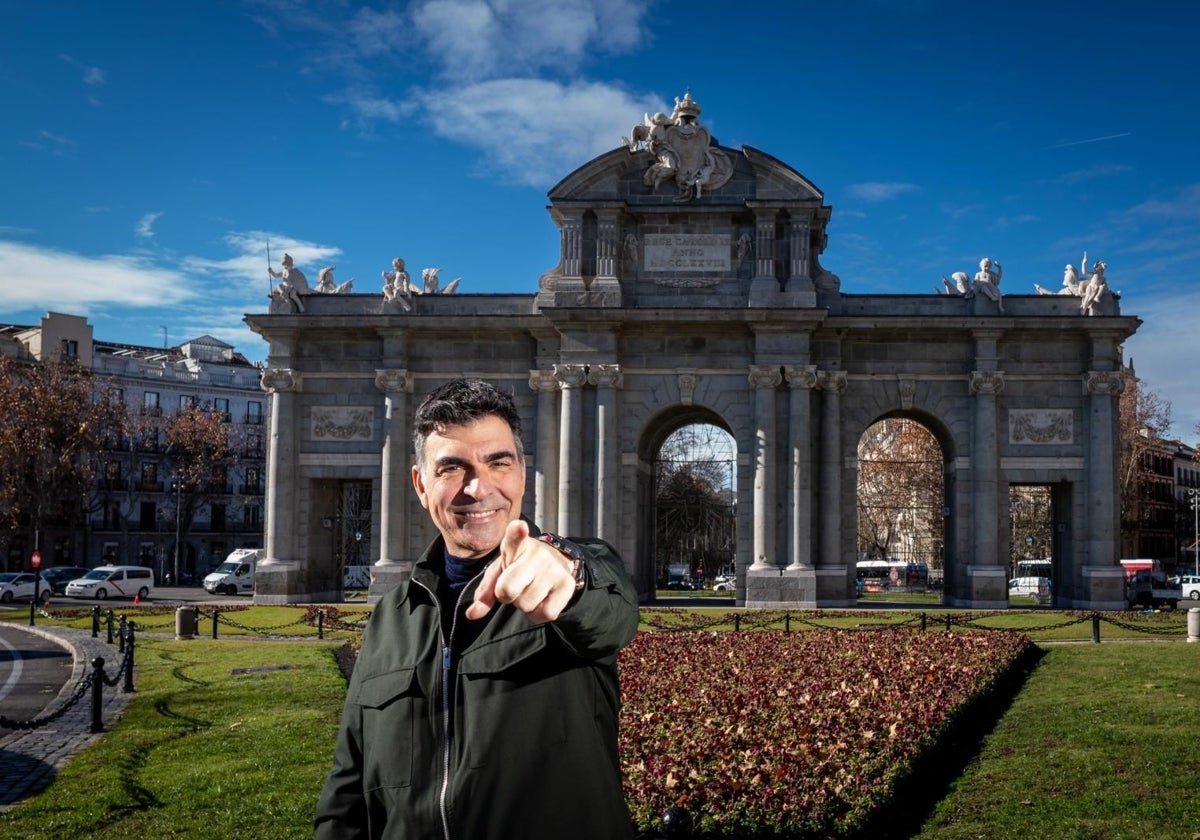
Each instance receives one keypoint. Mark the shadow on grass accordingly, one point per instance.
(936, 770)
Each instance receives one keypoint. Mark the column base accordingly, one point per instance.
(386, 575)
(1103, 589)
(987, 589)
(285, 582)
(797, 588)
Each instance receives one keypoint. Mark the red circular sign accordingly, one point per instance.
(36, 559)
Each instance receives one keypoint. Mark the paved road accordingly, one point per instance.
(30, 758)
(32, 671)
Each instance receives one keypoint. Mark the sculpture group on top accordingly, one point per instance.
(288, 296)
(682, 149)
(986, 283)
(1093, 291)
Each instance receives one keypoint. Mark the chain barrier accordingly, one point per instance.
(1109, 618)
(91, 682)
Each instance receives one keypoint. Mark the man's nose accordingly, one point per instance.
(477, 487)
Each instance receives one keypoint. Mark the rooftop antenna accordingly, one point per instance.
(164, 329)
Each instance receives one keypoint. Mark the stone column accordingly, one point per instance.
(572, 246)
(764, 379)
(545, 464)
(570, 379)
(607, 379)
(282, 452)
(986, 385)
(607, 248)
(832, 383)
(800, 380)
(1103, 506)
(798, 235)
(764, 247)
(394, 480)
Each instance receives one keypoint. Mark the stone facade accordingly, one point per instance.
(672, 306)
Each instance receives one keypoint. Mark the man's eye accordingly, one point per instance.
(449, 468)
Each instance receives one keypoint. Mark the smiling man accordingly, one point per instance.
(484, 701)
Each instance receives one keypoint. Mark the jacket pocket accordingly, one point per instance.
(513, 700)
(388, 704)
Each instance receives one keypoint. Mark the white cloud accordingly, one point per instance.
(43, 277)
(879, 190)
(509, 122)
(145, 226)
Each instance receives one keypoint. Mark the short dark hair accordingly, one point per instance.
(461, 402)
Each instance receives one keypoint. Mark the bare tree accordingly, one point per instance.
(900, 492)
(694, 509)
(1144, 420)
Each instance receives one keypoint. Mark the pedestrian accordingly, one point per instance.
(484, 701)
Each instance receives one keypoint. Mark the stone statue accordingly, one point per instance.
(429, 276)
(326, 285)
(744, 244)
(961, 287)
(682, 149)
(288, 295)
(1071, 284)
(987, 281)
(631, 247)
(397, 287)
(1095, 289)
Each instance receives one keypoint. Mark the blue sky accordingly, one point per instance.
(153, 149)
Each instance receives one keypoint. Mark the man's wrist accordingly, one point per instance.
(573, 554)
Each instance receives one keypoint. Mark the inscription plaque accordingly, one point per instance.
(686, 252)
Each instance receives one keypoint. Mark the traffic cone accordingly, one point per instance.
(137, 600)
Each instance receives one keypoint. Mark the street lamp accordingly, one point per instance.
(178, 493)
(1194, 495)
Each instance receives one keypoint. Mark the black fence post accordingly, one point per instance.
(1096, 627)
(787, 622)
(947, 622)
(737, 623)
(215, 611)
(128, 686)
(676, 824)
(109, 620)
(96, 621)
(321, 624)
(97, 693)
(924, 622)
(121, 636)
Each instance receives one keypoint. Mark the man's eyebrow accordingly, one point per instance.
(505, 454)
(449, 461)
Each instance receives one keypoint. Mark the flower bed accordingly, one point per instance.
(791, 734)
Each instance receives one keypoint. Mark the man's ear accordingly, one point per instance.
(419, 486)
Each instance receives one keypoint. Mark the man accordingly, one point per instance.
(484, 701)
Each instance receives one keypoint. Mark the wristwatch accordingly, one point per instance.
(573, 553)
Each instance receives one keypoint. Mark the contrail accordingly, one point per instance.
(1092, 140)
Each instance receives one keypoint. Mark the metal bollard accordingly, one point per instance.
(787, 622)
(737, 623)
(676, 823)
(121, 636)
(320, 624)
(97, 693)
(1096, 627)
(109, 620)
(96, 622)
(947, 622)
(214, 632)
(128, 686)
(924, 621)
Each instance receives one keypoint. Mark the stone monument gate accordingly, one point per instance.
(689, 289)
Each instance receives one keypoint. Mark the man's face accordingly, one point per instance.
(472, 483)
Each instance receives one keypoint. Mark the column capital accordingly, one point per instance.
(1104, 382)
(279, 379)
(765, 376)
(392, 380)
(800, 377)
(833, 381)
(542, 380)
(604, 376)
(987, 382)
(570, 376)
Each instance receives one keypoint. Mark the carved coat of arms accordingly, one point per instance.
(682, 149)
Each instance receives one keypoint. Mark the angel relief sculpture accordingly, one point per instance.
(682, 149)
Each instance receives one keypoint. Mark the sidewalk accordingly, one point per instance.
(30, 758)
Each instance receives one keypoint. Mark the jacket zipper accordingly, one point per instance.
(446, 706)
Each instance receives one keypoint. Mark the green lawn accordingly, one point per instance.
(1096, 745)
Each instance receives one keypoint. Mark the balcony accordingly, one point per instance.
(253, 420)
(150, 486)
(113, 484)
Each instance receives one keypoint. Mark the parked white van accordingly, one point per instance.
(113, 582)
(235, 575)
(1029, 586)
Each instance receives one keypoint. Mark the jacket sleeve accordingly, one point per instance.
(342, 808)
(603, 618)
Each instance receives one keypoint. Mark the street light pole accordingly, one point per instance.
(178, 494)
(1194, 494)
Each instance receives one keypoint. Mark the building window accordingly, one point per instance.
(253, 482)
(70, 349)
(254, 412)
(252, 516)
(150, 477)
(186, 401)
(150, 403)
(221, 404)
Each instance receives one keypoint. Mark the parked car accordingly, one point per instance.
(58, 577)
(724, 586)
(113, 581)
(1191, 586)
(20, 586)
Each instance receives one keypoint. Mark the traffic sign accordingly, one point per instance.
(36, 559)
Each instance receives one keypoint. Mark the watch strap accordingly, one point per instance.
(573, 553)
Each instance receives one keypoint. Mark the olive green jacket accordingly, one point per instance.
(528, 748)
